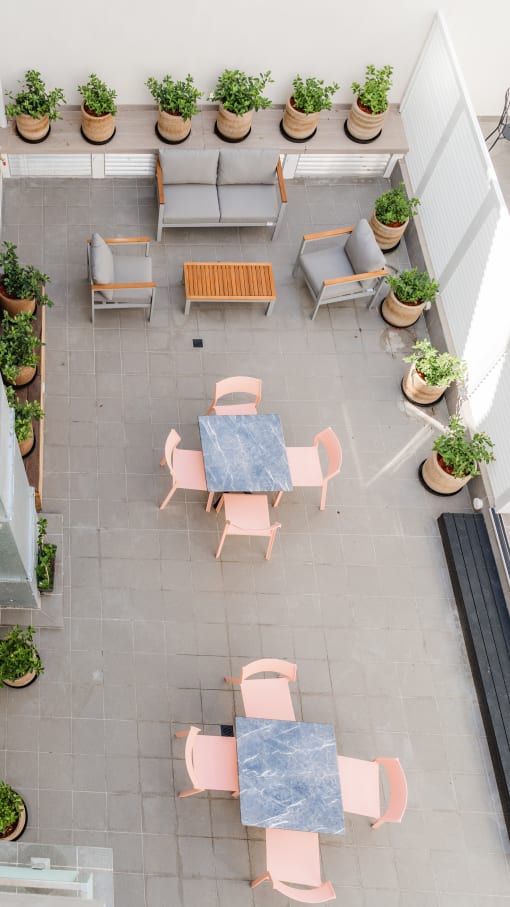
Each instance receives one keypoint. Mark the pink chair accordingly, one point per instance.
(186, 468)
(211, 762)
(360, 785)
(238, 385)
(305, 465)
(247, 514)
(294, 856)
(270, 697)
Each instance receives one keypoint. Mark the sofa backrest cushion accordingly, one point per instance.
(244, 167)
(101, 263)
(180, 167)
(362, 250)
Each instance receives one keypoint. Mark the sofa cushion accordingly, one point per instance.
(189, 166)
(101, 263)
(248, 204)
(362, 250)
(327, 264)
(132, 269)
(240, 166)
(191, 204)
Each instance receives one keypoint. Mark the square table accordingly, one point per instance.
(244, 453)
(288, 775)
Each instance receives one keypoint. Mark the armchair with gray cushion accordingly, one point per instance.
(120, 281)
(341, 264)
(220, 188)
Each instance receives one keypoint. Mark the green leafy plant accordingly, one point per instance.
(394, 207)
(311, 95)
(175, 97)
(437, 369)
(373, 95)
(240, 93)
(18, 345)
(413, 287)
(23, 414)
(46, 553)
(18, 655)
(98, 99)
(22, 281)
(461, 456)
(33, 98)
(11, 806)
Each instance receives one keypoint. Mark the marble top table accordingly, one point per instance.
(288, 775)
(244, 453)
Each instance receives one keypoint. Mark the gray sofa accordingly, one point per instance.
(235, 187)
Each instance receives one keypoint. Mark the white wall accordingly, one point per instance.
(125, 41)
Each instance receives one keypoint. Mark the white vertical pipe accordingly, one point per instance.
(3, 118)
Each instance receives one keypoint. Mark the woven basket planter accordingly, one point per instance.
(400, 314)
(439, 481)
(387, 236)
(97, 130)
(363, 126)
(231, 127)
(297, 125)
(32, 129)
(416, 389)
(15, 306)
(172, 128)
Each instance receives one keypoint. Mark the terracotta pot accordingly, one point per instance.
(97, 130)
(231, 127)
(13, 832)
(32, 129)
(416, 389)
(15, 306)
(362, 125)
(25, 375)
(400, 314)
(439, 481)
(297, 125)
(26, 446)
(172, 128)
(24, 681)
(387, 237)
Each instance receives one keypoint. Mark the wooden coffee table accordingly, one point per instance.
(229, 281)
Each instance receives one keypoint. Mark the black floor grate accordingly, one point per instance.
(227, 730)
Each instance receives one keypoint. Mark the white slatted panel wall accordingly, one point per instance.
(50, 165)
(467, 230)
(330, 165)
(129, 165)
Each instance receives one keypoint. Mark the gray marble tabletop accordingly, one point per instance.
(244, 453)
(288, 775)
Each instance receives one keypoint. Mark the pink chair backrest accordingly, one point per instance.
(170, 444)
(333, 450)
(272, 665)
(239, 385)
(398, 789)
(325, 892)
(188, 754)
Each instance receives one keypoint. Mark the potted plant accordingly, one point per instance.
(430, 374)
(177, 103)
(46, 556)
(455, 459)
(409, 292)
(390, 216)
(302, 110)
(34, 106)
(366, 117)
(18, 346)
(20, 663)
(24, 414)
(13, 813)
(98, 111)
(21, 286)
(239, 96)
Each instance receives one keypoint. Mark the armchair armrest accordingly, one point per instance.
(281, 182)
(311, 236)
(122, 286)
(159, 182)
(369, 275)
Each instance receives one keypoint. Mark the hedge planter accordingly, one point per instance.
(31, 129)
(26, 447)
(400, 314)
(171, 128)
(416, 390)
(232, 127)
(387, 236)
(436, 479)
(296, 125)
(362, 125)
(14, 831)
(97, 130)
(15, 306)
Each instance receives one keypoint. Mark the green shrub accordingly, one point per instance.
(98, 99)
(11, 806)
(46, 553)
(240, 93)
(394, 207)
(413, 286)
(22, 281)
(437, 369)
(374, 93)
(18, 345)
(175, 97)
(18, 655)
(311, 95)
(23, 414)
(461, 455)
(33, 99)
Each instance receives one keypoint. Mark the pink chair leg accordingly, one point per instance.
(220, 503)
(169, 495)
(209, 502)
(220, 546)
(323, 494)
(259, 879)
(181, 733)
(162, 461)
(270, 544)
(189, 793)
(277, 499)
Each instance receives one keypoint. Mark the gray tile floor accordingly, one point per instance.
(358, 595)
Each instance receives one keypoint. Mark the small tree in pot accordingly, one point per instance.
(390, 216)
(455, 458)
(366, 116)
(177, 104)
(18, 348)
(409, 293)
(302, 110)
(239, 96)
(431, 373)
(46, 556)
(98, 111)
(21, 286)
(24, 414)
(20, 663)
(13, 814)
(34, 106)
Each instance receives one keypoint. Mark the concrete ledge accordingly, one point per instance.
(51, 613)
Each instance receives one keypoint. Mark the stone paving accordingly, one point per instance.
(357, 595)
